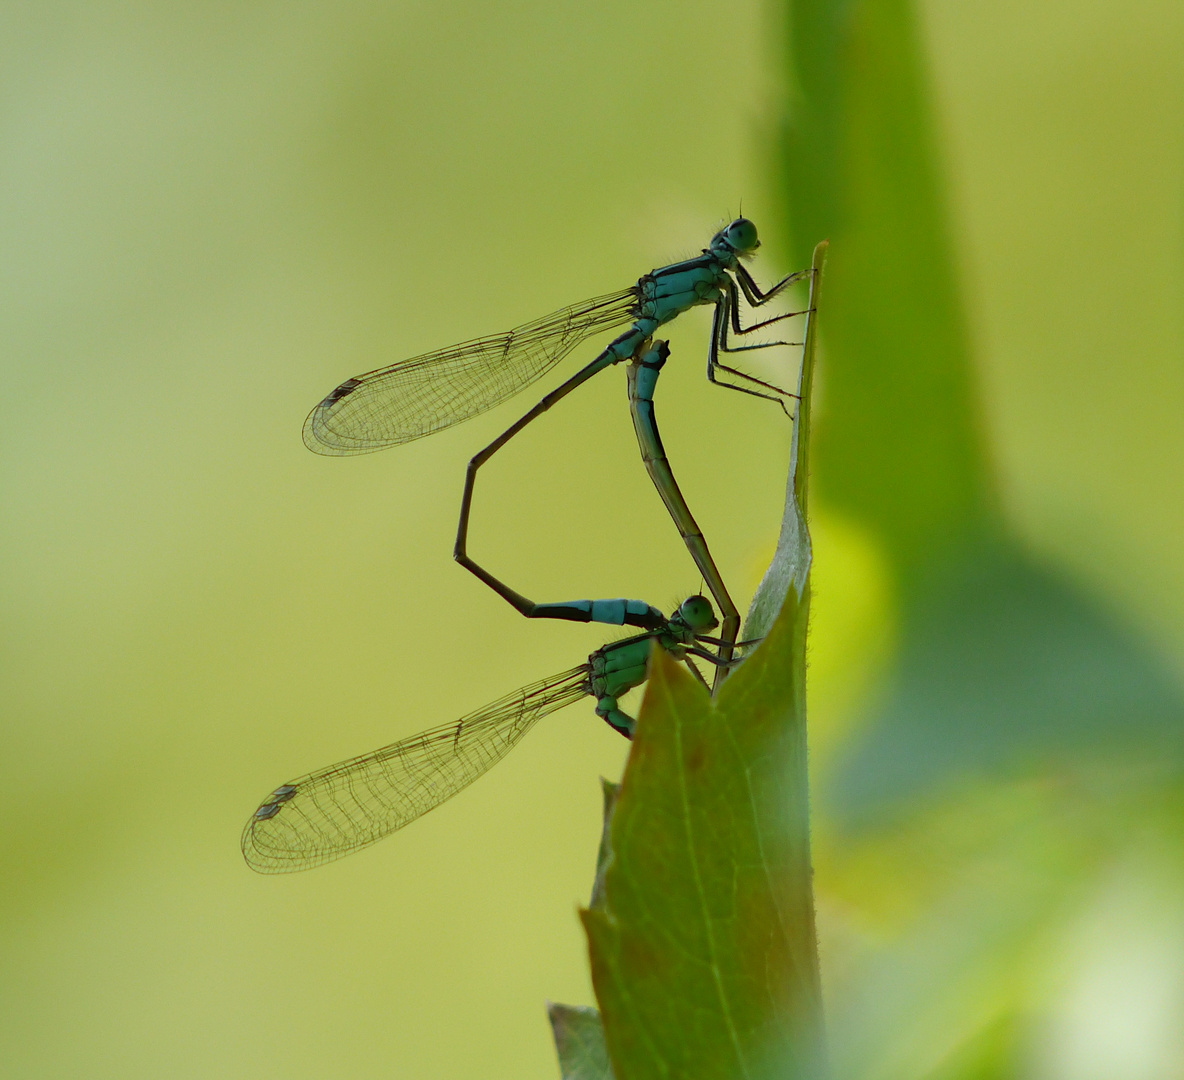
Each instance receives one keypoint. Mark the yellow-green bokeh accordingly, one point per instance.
(210, 215)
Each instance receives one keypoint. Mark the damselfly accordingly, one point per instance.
(334, 811)
(423, 395)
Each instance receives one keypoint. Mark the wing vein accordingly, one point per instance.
(354, 803)
(425, 394)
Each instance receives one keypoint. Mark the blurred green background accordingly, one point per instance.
(211, 215)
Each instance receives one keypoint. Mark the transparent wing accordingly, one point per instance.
(347, 806)
(428, 393)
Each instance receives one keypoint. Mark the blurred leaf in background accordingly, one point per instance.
(1015, 767)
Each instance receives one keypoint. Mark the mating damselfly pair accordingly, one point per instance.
(330, 813)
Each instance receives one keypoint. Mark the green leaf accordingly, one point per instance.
(701, 928)
(790, 567)
(949, 892)
(610, 792)
(703, 951)
(900, 449)
(579, 1038)
(1003, 663)
(579, 1033)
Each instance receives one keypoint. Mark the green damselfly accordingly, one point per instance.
(335, 811)
(425, 394)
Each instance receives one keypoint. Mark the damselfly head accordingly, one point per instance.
(697, 613)
(739, 237)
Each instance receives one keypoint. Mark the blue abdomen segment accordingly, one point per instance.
(617, 612)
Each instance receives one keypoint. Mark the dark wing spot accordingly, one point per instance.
(344, 390)
(272, 807)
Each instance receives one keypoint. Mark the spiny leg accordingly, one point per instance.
(732, 301)
(738, 644)
(711, 658)
(753, 291)
(643, 377)
(697, 673)
(728, 310)
(778, 393)
(719, 328)
(739, 328)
